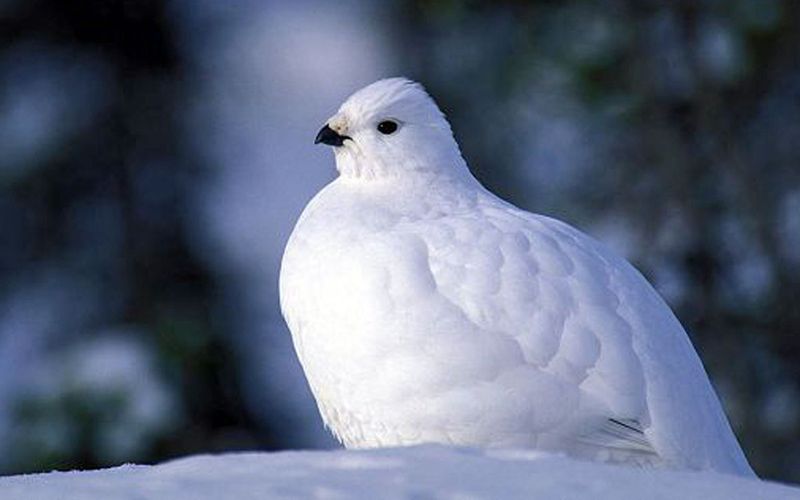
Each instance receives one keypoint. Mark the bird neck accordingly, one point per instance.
(352, 164)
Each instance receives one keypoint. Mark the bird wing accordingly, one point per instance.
(516, 278)
(590, 326)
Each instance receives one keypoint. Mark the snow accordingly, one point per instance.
(429, 472)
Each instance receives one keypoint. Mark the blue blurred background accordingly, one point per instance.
(154, 156)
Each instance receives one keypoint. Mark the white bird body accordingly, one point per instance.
(424, 309)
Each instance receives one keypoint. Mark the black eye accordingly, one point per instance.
(387, 127)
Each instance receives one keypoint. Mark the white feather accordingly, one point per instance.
(425, 309)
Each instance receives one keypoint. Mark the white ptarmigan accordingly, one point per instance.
(424, 309)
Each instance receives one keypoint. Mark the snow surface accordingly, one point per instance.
(425, 472)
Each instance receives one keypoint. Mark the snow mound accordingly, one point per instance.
(429, 472)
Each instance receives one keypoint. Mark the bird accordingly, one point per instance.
(424, 309)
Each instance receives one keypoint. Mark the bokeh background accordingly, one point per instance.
(154, 156)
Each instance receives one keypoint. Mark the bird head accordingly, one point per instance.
(392, 128)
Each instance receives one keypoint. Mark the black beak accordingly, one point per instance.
(330, 137)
